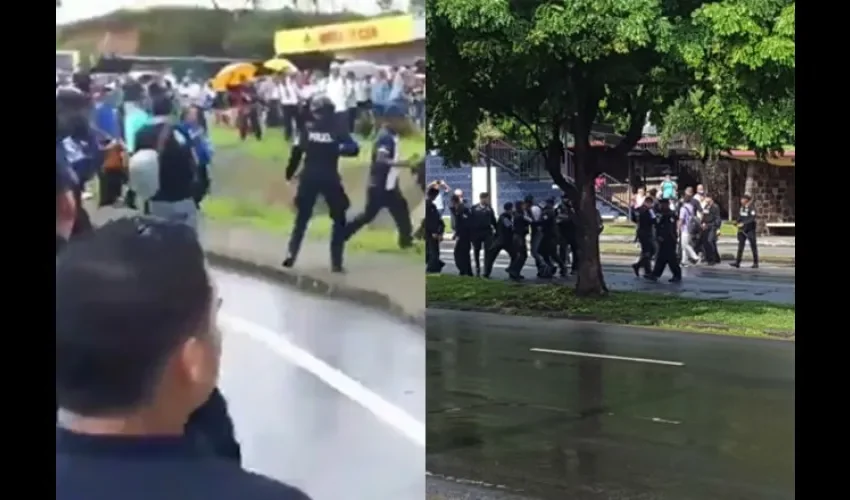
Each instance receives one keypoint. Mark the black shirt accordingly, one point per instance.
(505, 229)
(747, 219)
(433, 220)
(153, 468)
(483, 219)
(177, 167)
(522, 222)
(645, 221)
(666, 228)
(462, 222)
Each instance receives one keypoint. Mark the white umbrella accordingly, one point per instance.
(360, 68)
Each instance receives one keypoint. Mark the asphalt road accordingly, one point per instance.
(768, 284)
(554, 409)
(324, 395)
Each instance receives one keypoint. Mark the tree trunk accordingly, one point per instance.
(591, 282)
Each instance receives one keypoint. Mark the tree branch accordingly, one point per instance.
(637, 119)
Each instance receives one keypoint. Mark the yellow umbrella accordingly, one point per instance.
(280, 64)
(233, 74)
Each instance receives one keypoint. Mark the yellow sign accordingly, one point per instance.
(348, 36)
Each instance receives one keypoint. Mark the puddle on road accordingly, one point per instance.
(585, 428)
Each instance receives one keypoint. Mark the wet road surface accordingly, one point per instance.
(556, 409)
(768, 284)
(324, 395)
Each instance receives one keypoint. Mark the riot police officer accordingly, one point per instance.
(323, 144)
(549, 242)
(645, 216)
(434, 227)
(483, 226)
(521, 225)
(746, 223)
(504, 239)
(463, 235)
(565, 219)
(667, 233)
(384, 191)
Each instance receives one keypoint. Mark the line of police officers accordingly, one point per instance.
(552, 230)
(550, 226)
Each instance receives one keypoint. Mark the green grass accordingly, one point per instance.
(273, 146)
(743, 318)
(274, 219)
(628, 229)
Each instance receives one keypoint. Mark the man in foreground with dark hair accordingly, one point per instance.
(137, 352)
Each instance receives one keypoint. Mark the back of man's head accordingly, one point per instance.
(134, 321)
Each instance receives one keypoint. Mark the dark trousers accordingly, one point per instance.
(519, 257)
(567, 243)
(290, 112)
(481, 242)
(647, 250)
(667, 258)
(549, 252)
(743, 238)
(211, 427)
(493, 253)
(461, 254)
(273, 115)
(82, 223)
(305, 201)
(110, 184)
(352, 119)
(432, 254)
(202, 184)
(249, 121)
(712, 255)
(377, 199)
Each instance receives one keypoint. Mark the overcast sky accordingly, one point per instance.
(75, 10)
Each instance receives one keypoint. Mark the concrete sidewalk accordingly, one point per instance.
(392, 283)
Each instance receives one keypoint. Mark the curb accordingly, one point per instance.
(769, 334)
(315, 286)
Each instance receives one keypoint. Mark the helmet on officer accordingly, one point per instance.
(321, 107)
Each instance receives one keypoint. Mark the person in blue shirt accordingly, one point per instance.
(78, 143)
(380, 95)
(322, 142)
(192, 125)
(384, 191)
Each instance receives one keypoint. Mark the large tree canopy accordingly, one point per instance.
(556, 66)
(743, 55)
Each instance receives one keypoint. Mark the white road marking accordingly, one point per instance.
(385, 411)
(608, 356)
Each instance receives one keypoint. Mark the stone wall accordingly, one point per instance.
(773, 188)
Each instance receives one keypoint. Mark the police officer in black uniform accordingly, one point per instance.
(521, 224)
(504, 239)
(323, 143)
(746, 223)
(549, 243)
(565, 216)
(667, 233)
(645, 217)
(483, 225)
(711, 223)
(433, 232)
(384, 191)
(463, 236)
